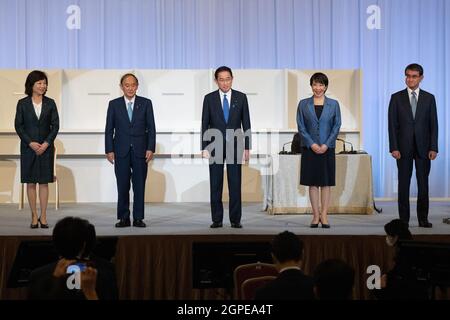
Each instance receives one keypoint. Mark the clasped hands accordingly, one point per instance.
(319, 149)
(39, 148)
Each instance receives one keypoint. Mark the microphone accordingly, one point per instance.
(343, 144)
(285, 152)
(351, 147)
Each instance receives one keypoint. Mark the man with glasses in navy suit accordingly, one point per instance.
(413, 138)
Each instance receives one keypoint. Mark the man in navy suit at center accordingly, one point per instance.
(129, 145)
(226, 137)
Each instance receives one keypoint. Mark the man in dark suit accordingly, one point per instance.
(129, 145)
(291, 283)
(413, 137)
(226, 123)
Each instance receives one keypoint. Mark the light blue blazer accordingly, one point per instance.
(313, 130)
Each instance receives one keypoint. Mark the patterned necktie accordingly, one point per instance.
(414, 103)
(226, 107)
(130, 111)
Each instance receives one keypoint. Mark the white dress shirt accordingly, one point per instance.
(290, 268)
(222, 94)
(127, 101)
(37, 109)
(417, 91)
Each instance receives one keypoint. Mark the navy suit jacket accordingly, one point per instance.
(238, 118)
(320, 131)
(403, 128)
(121, 134)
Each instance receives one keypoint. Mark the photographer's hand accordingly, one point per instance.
(61, 267)
(89, 282)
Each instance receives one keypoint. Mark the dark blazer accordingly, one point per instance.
(34, 168)
(403, 128)
(43, 286)
(30, 128)
(320, 131)
(120, 133)
(238, 119)
(291, 284)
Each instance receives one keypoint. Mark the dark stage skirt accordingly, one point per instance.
(318, 170)
(37, 169)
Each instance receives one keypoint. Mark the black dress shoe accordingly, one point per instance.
(236, 225)
(216, 225)
(314, 225)
(34, 226)
(43, 225)
(139, 224)
(123, 223)
(425, 224)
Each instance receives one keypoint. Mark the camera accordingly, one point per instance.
(79, 265)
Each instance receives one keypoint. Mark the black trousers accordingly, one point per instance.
(234, 175)
(405, 168)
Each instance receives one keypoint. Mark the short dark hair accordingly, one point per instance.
(334, 280)
(398, 228)
(126, 75)
(415, 67)
(222, 69)
(286, 246)
(73, 236)
(319, 77)
(33, 77)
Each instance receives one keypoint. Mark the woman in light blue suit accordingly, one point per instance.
(318, 121)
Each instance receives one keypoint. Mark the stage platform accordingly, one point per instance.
(156, 262)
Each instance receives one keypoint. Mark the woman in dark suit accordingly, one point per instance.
(37, 124)
(318, 121)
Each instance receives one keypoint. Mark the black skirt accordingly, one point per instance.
(318, 170)
(37, 169)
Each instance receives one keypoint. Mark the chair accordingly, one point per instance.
(55, 180)
(252, 270)
(249, 286)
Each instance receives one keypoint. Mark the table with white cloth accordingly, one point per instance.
(283, 194)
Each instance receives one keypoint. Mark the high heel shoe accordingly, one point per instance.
(34, 226)
(324, 225)
(314, 225)
(43, 225)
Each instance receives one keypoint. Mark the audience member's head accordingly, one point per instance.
(333, 280)
(396, 231)
(287, 248)
(74, 238)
